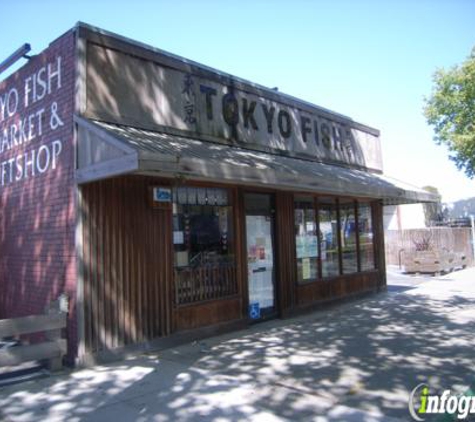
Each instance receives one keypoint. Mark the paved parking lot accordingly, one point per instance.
(354, 362)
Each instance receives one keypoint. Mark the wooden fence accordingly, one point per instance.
(51, 349)
(454, 239)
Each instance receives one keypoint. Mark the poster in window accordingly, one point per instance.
(312, 246)
(178, 238)
(260, 260)
(306, 268)
(301, 246)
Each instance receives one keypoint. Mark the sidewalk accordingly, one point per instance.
(355, 362)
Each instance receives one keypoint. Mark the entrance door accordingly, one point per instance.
(260, 255)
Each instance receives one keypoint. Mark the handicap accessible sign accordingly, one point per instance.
(254, 310)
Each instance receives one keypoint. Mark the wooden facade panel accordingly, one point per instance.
(285, 237)
(379, 254)
(211, 313)
(129, 292)
(336, 288)
(127, 264)
(311, 293)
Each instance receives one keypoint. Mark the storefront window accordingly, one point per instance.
(203, 241)
(348, 237)
(306, 240)
(366, 237)
(329, 238)
(354, 241)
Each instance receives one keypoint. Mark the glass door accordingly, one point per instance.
(260, 255)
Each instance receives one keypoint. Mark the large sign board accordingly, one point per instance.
(29, 118)
(131, 90)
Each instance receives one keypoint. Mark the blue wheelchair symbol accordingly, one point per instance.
(254, 310)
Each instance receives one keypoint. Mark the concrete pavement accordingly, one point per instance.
(354, 362)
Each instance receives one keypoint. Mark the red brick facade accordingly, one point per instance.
(37, 189)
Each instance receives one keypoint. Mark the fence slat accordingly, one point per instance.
(31, 324)
(45, 350)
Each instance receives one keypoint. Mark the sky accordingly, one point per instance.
(370, 60)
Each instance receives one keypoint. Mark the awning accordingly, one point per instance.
(106, 150)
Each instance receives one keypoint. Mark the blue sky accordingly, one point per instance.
(370, 60)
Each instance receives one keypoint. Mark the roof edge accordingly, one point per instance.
(85, 26)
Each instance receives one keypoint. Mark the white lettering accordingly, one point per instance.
(451, 405)
(57, 148)
(3, 103)
(41, 83)
(10, 173)
(19, 167)
(472, 407)
(443, 399)
(432, 404)
(30, 163)
(39, 115)
(464, 406)
(54, 74)
(31, 127)
(43, 150)
(23, 137)
(12, 103)
(27, 90)
(13, 135)
(5, 141)
(3, 172)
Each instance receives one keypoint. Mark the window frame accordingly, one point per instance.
(337, 203)
(319, 248)
(232, 201)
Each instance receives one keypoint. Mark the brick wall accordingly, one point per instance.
(37, 193)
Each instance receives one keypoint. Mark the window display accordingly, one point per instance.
(260, 254)
(330, 233)
(306, 239)
(203, 244)
(366, 237)
(329, 238)
(260, 258)
(348, 237)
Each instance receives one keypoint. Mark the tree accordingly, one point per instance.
(451, 111)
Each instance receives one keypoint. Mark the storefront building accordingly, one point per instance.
(168, 199)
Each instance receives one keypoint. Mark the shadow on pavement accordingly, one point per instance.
(364, 356)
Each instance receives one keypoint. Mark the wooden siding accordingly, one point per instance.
(285, 251)
(208, 313)
(336, 288)
(127, 264)
(128, 267)
(378, 242)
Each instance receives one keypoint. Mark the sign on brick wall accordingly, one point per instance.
(29, 119)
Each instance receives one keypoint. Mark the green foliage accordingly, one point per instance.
(451, 111)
